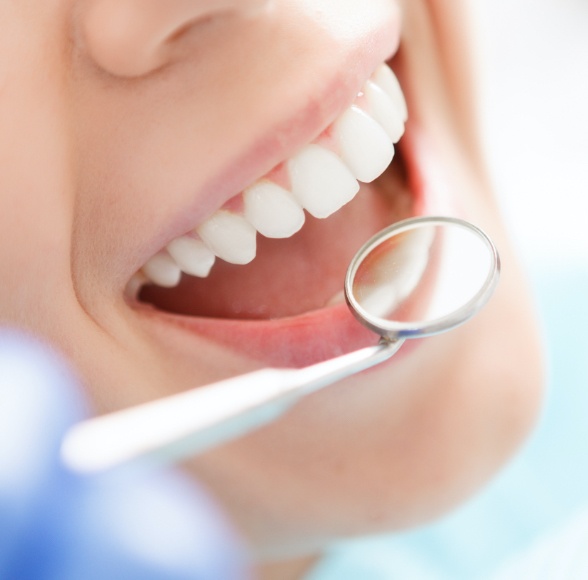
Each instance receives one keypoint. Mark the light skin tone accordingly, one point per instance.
(126, 123)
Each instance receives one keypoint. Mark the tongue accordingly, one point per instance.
(294, 275)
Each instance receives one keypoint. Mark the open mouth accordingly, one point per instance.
(277, 222)
(269, 264)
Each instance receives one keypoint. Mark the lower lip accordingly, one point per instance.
(304, 339)
(286, 342)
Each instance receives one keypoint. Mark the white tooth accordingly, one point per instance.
(272, 210)
(162, 270)
(320, 181)
(384, 110)
(230, 236)
(192, 256)
(364, 145)
(386, 79)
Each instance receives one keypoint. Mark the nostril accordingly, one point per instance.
(131, 38)
(120, 39)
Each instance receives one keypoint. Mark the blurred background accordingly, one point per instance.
(534, 91)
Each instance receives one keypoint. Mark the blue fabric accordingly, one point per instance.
(55, 525)
(544, 487)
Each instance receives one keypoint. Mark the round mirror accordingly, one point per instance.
(421, 276)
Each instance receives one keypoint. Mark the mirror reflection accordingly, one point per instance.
(422, 273)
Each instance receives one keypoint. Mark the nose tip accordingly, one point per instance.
(131, 38)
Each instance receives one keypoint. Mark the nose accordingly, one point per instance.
(131, 38)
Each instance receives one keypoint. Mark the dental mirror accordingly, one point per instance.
(416, 278)
(421, 276)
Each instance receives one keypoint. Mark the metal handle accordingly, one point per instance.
(189, 423)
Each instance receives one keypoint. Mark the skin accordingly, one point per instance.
(87, 179)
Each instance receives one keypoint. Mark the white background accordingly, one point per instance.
(533, 85)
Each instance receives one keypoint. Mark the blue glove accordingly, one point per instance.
(56, 525)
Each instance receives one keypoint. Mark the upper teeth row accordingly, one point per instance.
(321, 182)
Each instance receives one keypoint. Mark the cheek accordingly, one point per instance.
(37, 198)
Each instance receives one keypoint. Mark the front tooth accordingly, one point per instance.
(162, 270)
(364, 145)
(320, 181)
(272, 210)
(385, 78)
(192, 256)
(230, 236)
(384, 110)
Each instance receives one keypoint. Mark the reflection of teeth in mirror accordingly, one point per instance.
(380, 301)
(405, 284)
(363, 140)
(411, 258)
(408, 261)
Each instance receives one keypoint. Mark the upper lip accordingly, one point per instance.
(276, 143)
